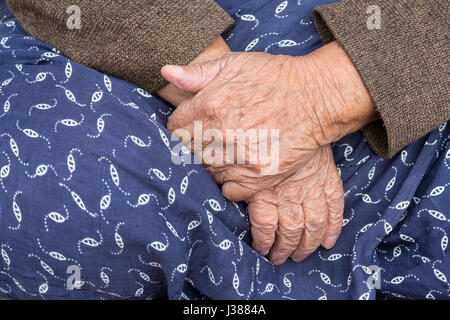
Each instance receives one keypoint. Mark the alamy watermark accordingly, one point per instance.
(374, 281)
(374, 20)
(74, 280)
(74, 20)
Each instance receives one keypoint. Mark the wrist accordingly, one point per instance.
(216, 49)
(342, 104)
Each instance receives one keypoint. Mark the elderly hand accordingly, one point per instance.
(312, 101)
(300, 213)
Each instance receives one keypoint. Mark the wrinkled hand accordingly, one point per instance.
(301, 212)
(299, 206)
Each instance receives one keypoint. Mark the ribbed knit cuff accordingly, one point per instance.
(130, 39)
(401, 64)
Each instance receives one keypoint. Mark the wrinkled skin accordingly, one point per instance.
(299, 206)
(301, 212)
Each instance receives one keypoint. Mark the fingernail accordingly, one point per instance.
(329, 242)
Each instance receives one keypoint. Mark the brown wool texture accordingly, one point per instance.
(404, 64)
(129, 39)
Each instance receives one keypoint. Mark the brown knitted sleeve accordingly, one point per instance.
(130, 39)
(404, 63)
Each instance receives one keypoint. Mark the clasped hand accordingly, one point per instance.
(298, 206)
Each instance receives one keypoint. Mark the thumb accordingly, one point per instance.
(195, 77)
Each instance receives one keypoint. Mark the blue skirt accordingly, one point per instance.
(92, 207)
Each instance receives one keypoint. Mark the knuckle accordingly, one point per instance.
(336, 201)
(212, 110)
(317, 224)
(336, 219)
(334, 188)
(291, 232)
(290, 209)
(268, 226)
(266, 223)
(262, 244)
(292, 219)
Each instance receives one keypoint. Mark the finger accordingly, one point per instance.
(289, 232)
(235, 191)
(238, 183)
(334, 193)
(173, 95)
(239, 173)
(183, 117)
(195, 77)
(316, 219)
(264, 222)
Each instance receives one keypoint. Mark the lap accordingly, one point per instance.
(87, 180)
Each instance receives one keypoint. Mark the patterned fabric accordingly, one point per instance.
(87, 184)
